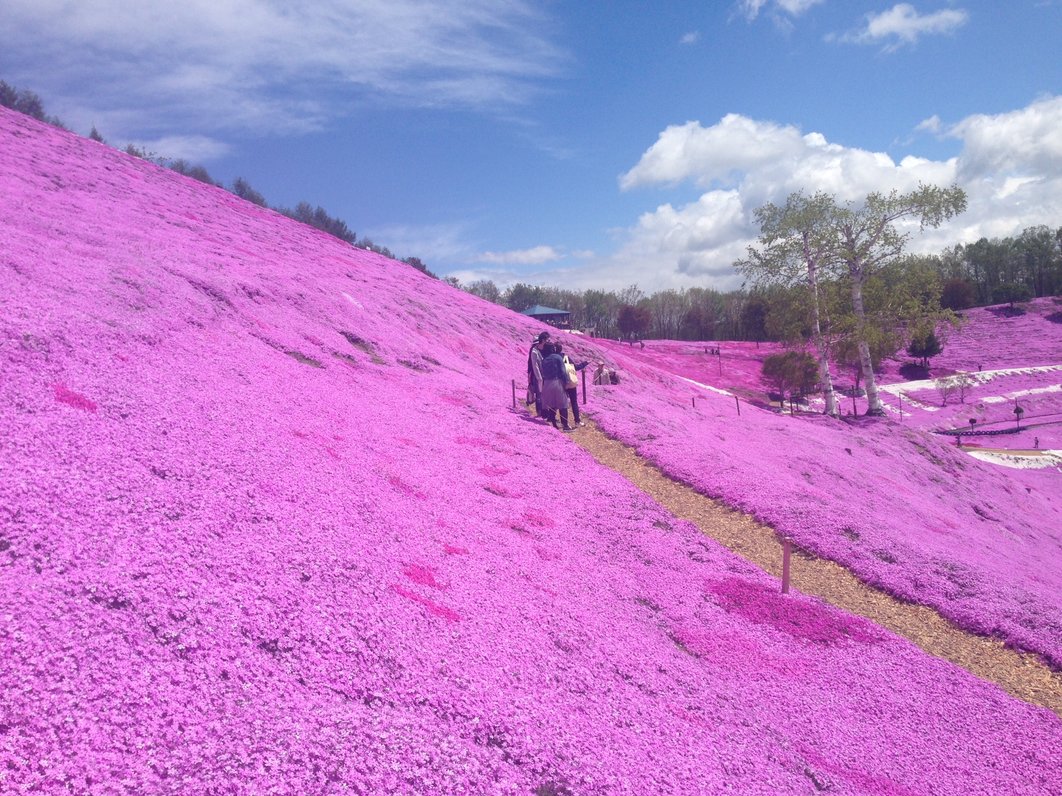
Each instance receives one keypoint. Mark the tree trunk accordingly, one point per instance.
(874, 406)
(820, 341)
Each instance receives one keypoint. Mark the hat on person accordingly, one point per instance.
(542, 337)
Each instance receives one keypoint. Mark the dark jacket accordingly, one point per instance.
(553, 368)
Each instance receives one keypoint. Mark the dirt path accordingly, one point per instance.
(1021, 675)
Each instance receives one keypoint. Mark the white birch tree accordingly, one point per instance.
(815, 238)
(866, 238)
(796, 247)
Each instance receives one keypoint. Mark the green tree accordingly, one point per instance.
(924, 346)
(520, 297)
(703, 319)
(243, 189)
(796, 245)
(602, 309)
(958, 294)
(667, 309)
(27, 103)
(793, 374)
(182, 166)
(417, 263)
(485, 289)
(1011, 292)
(319, 218)
(634, 321)
(754, 318)
(1038, 249)
(868, 239)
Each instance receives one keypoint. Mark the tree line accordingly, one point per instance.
(1002, 270)
(30, 104)
(986, 272)
(694, 313)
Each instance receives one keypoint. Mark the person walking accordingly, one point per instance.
(571, 385)
(554, 397)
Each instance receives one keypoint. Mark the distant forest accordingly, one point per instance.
(1008, 270)
(996, 271)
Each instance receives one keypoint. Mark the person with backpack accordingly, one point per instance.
(571, 385)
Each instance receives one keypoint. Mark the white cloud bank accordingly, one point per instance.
(1010, 165)
(267, 66)
(902, 24)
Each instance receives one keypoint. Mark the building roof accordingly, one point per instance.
(538, 309)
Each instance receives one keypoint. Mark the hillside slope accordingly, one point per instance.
(904, 509)
(268, 525)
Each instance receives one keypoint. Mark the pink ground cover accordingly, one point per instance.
(268, 524)
(902, 508)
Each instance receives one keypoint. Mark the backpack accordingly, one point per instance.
(569, 369)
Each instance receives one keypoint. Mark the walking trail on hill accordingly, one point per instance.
(1021, 675)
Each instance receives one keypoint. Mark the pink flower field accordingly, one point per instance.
(269, 524)
(902, 508)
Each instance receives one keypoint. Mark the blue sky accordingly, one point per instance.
(581, 144)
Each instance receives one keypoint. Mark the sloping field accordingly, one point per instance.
(269, 525)
(905, 510)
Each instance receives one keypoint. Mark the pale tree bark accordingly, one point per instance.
(874, 406)
(821, 347)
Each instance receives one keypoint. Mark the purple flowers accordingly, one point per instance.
(247, 572)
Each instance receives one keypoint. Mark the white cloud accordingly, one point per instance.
(257, 64)
(902, 24)
(536, 255)
(765, 160)
(930, 125)
(1020, 143)
(1010, 165)
(713, 154)
(751, 8)
(690, 38)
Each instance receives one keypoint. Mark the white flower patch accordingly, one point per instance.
(1039, 460)
(1010, 396)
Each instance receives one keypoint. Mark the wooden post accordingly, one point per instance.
(787, 546)
(584, 386)
(514, 393)
(694, 399)
(719, 359)
(737, 403)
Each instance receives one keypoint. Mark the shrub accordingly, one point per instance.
(319, 218)
(243, 189)
(26, 102)
(793, 373)
(1011, 292)
(925, 346)
(957, 294)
